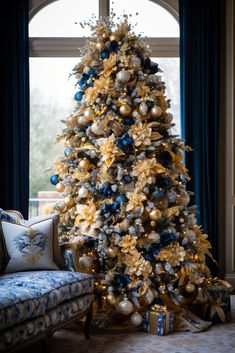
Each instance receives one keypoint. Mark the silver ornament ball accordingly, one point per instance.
(125, 307)
(123, 76)
(136, 319)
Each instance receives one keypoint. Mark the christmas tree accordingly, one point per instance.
(124, 181)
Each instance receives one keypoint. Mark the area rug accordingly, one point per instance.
(219, 338)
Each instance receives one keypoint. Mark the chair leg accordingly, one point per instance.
(88, 323)
(46, 343)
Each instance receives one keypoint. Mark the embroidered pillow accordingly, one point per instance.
(14, 217)
(29, 247)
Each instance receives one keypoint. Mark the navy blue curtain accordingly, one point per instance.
(200, 105)
(14, 106)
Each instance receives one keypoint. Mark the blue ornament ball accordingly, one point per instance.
(127, 179)
(104, 54)
(121, 198)
(158, 194)
(78, 96)
(68, 152)
(54, 179)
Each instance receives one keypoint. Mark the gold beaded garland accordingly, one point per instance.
(125, 110)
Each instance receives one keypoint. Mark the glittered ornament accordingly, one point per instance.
(125, 307)
(125, 110)
(190, 287)
(69, 201)
(156, 111)
(84, 164)
(60, 187)
(155, 214)
(136, 319)
(143, 108)
(111, 299)
(86, 262)
(123, 76)
(135, 62)
(54, 179)
(149, 297)
(112, 252)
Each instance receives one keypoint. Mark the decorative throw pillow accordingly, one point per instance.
(14, 217)
(30, 246)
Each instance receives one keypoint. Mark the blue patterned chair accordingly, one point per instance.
(34, 304)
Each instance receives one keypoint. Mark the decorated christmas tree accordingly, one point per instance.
(124, 181)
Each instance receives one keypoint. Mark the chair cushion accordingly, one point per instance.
(29, 294)
(28, 329)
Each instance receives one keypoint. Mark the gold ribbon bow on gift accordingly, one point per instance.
(159, 308)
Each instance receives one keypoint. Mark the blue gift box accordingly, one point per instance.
(158, 320)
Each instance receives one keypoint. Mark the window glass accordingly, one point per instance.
(152, 20)
(61, 19)
(51, 100)
(170, 75)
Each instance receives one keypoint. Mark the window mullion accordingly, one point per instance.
(103, 8)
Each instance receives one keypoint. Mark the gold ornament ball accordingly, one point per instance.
(100, 45)
(89, 114)
(125, 307)
(155, 214)
(125, 110)
(84, 164)
(112, 252)
(114, 36)
(60, 187)
(123, 76)
(69, 201)
(190, 288)
(111, 299)
(156, 111)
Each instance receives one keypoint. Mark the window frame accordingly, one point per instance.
(68, 46)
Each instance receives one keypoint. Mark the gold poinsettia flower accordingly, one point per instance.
(130, 259)
(135, 202)
(142, 89)
(60, 167)
(177, 160)
(88, 218)
(109, 65)
(81, 175)
(202, 237)
(140, 267)
(101, 86)
(146, 169)
(173, 254)
(108, 149)
(128, 244)
(141, 134)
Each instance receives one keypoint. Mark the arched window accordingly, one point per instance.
(55, 39)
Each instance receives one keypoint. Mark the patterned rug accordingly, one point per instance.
(219, 338)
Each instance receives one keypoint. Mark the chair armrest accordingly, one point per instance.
(70, 253)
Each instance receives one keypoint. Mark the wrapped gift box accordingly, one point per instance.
(158, 320)
(218, 307)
